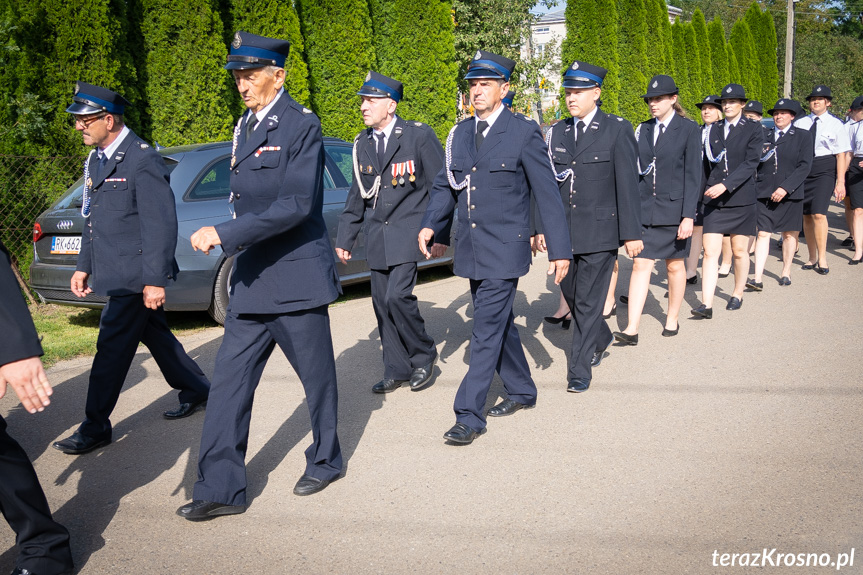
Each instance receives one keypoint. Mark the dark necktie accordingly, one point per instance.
(661, 131)
(579, 130)
(250, 126)
(814, 131)
(103, 161)
(381, 149)
(778, 135)
(730, 129)
(481, 125)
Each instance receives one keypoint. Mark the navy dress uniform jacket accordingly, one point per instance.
(788, 168)
(603, 210)
(392, 219)
(494, 229)
(670, 192)
(131, 234)
(284, 259)
(743, 153)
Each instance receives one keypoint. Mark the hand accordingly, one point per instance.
(437, 250)
(715, 190)
(778, 195)
(634, 247)
(27, 377)
(559, 269)
(344, 255)
(79, 284)
(424, 237)
(684, 230)
(537, 244)
(205, 239)
(154, 297)
(839, 191)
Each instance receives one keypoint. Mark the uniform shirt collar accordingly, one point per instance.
(109, 151)
(492, 118)
(388, 130)
(588, 118)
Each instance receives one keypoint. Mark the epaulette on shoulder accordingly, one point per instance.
(523, 117)
(143, 145)
(468, 119)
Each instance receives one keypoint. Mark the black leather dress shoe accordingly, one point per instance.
(185, 410)
(625, 338)
(849, 241)
(308, 485)
(624, 299)
(462, 434)
(785, 281)
(853, 262)
(79, 444)
(508, 407)
(578, 385)
(670, 332)
(200, 510)
(822, 271)
(693, 280)
(754, 285)
(387, 385)
(421, 377)
(734, 303)
(613, 310)
(808, 266)
(22, 571)
(702, 311)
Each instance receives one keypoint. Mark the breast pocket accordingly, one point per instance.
(676, 194)
(116, 195)
(501, 171)
(597, 165)
(266, 160)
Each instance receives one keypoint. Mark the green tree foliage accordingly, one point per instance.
(764, 36)
(833, 59)
(694, 63)
(733, 67)
(592, 36)
(276, 19)
(699, 26)
(718, 56)
(339, 53)
(632, 49)
(656, 16)
(667, 40)
(681, 65)
(414, 43)
(747, 59)
(187, 89)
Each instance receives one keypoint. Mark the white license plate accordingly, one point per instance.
(66, 244)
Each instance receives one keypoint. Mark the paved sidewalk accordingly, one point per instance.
(742, 433)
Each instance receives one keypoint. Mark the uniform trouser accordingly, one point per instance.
(494, 346)
(43, 544)
(585, 288)
(304, 337)
(404, 339)
(124, 323)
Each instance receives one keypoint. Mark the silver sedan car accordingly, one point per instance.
(200, 179)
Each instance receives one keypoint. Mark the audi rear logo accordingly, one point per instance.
(65, 225)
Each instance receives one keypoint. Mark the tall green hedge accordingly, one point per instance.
(705, 54)
(718, 56)
(414, 43)
(632, 48)
(187, 88)
(694, 62)
(339, 53)
(747, 60)
(592, 37)
(656, 15)
(681, 64)
(276, 19)
(734, 73)
(764, 36)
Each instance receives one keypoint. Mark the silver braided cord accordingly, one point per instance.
(567, 173)
(450, 178)
(85, 198)
(705, 145)
(652, 165)
(376, 186)
(234, 141)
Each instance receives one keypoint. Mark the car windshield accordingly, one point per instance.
(72, 198)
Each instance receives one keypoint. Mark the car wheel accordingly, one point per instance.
(221, 288)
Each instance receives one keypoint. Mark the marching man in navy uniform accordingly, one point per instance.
(284, 278)
(127, 254)
(594, 161)
(395, 162)
(495, 161)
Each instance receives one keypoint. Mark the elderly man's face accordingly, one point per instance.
(94, 128)
(377, 112)
(258, 87)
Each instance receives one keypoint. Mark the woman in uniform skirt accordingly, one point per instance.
(854, 178)
(732, 147)
(785, 163)
(670, 174)
(711, 112)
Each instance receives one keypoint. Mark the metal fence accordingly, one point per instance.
(28, 186)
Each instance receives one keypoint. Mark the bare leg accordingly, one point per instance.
(857, 232)
(612, 286)
(639, 282)
(811, 244)
(727, 256)
(820, 224)
(676, 286)
(694, 252)
(789, 247)
(740, 250)
(710, 267)
(849, 216)
(562, 308)
(762, 250)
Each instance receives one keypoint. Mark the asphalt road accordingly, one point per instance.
(740, 435)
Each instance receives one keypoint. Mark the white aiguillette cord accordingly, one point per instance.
(450, 178)
(562, 176)
(376, 186)
(705, 145)
(85, 197)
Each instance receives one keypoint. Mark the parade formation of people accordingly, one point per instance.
(595, 185)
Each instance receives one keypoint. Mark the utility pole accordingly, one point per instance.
(789, 50)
